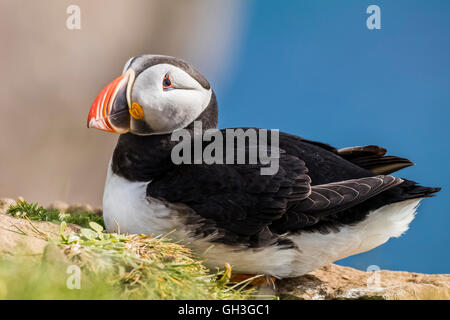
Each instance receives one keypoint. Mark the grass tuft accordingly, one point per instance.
(145, 267)
(112, 266)
(33, 211)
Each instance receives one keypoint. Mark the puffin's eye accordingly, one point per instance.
(166, 82)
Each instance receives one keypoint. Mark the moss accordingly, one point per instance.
(35, 212)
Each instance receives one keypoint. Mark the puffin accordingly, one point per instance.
(322, 204)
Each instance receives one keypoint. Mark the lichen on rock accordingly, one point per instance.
(338, 282)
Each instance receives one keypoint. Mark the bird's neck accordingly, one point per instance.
(140, 158)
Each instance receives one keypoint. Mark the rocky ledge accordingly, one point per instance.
(330, 282)
(337, 282)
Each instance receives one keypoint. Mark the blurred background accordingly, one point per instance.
(311, 68)
(51, 76)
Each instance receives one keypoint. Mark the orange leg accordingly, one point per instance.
(262, 281)
(258, 281)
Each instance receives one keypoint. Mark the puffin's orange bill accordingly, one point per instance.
(110, 108)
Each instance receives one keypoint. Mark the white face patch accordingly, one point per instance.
(166, 110)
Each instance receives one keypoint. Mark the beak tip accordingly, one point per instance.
(99, 124)
(91, 122)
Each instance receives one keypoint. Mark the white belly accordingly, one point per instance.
(126, 209)
(317, 250)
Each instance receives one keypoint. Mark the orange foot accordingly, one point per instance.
(258, 281)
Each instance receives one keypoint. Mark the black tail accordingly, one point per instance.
(404, 191)
(411, 190)
(373, 158)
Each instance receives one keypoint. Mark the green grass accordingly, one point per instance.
(26, 278)
(35, 212)
(113, 266)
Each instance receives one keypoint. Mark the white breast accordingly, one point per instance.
(127, 209)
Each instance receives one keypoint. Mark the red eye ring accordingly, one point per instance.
(166, 84)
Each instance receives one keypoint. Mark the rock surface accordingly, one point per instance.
(330, 282)
(24, 236)
(28, 237)
(337, 282)
(64, 207)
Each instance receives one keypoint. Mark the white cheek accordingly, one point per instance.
(174, 109)
(187, 105)
(165, 111)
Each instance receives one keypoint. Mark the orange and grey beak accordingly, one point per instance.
(110, 110)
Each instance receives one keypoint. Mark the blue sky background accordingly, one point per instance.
(312, 68)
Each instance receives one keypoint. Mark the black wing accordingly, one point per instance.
(235, 201)
(239, 205)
